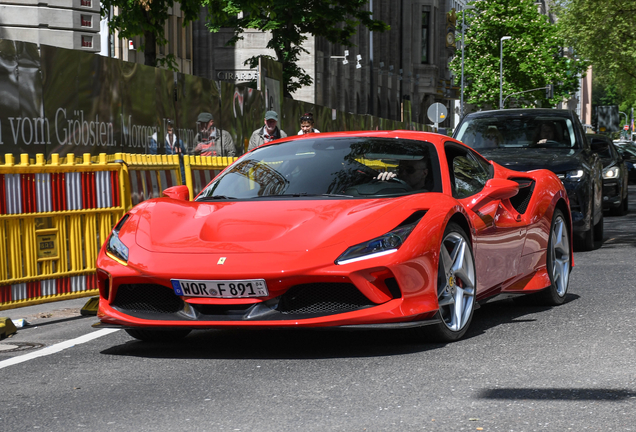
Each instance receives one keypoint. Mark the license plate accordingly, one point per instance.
(220, 288)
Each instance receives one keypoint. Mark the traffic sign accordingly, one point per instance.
(626, 127)
(437, 113)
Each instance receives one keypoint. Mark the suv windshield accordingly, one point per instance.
(329, 167)
(518, 132)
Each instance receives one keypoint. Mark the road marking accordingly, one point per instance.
(56, 348)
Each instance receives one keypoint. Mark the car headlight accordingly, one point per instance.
(611, 172)
(115, 248)
(384, 245)
(574, 175)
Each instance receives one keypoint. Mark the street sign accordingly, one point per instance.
(437, 113)
(626, 127)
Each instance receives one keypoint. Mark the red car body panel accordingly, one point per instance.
(292, 242)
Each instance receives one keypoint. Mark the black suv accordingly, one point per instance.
(527, 139)
(615, 192)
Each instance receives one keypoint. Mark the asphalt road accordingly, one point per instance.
(520, 368)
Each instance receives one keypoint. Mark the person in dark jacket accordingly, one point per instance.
(267, 133)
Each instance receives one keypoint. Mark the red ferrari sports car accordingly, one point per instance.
(390, 229)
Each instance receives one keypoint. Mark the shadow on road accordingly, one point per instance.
(316, 343)
(569, 394)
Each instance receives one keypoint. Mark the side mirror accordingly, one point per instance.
(495, 189)
(180, 193)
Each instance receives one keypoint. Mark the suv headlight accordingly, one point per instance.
(384, 245)
(611, 172)
(574, 175)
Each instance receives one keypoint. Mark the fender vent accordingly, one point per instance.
(522, 199)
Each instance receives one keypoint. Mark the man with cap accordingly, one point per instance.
(267, 133)
(212, 141)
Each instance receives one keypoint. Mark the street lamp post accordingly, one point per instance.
(461, 102)
(501, 70)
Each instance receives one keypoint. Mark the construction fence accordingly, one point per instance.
(56, 214)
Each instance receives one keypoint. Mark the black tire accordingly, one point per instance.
(586, 240)
(626, 204)
(598, 232)
(454, 283)
(148, 335)
(558, 261)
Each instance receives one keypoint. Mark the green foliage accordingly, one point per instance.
(532, 58)
(290, 22)
(147, 18)
(604, 33)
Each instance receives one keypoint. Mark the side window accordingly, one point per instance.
(469, 173)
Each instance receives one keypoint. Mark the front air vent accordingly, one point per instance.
(322, 298)
(147, 298)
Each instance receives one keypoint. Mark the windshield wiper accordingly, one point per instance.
(304, 194)
(215, 197)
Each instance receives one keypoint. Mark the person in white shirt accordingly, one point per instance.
(307, 124)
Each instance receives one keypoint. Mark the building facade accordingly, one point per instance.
(72, 24)
(384, 72)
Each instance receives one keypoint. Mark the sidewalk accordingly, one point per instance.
(46, 311)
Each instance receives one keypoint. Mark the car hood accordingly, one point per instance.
(171, 226)
(527, 159)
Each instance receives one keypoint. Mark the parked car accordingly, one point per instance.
(370, 230)
(627, 150)
(528, 139)
(615, 191)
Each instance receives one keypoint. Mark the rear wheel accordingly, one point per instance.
(558, 261)
(456, 282)
(148, 335)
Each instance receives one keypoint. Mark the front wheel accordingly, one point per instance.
(456, 285)
(558, 261)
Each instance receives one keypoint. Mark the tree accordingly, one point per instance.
(532, 58)
(603, 32)
(147, 18)
(289, 22)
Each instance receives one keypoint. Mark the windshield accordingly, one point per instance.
(517, 132)
(330, 167)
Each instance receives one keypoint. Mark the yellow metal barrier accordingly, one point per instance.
(55, 215)
(200, 170)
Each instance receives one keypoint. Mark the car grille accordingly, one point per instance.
(322, 298)
(147, 298)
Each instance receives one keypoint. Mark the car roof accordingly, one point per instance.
(519, 112)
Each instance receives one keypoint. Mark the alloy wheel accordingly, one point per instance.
(456, 285)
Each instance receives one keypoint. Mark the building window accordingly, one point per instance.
(87, 21)
(86, 3)
(425, 36)
(87, 41)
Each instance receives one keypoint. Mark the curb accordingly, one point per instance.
(90, 308)
(7, 328)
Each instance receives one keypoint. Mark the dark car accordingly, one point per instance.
(627, 150)
(528, 139)
(615, 192)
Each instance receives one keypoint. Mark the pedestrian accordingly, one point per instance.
(267, 133)
(175, 146)
(212, 141)
(307, 124)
